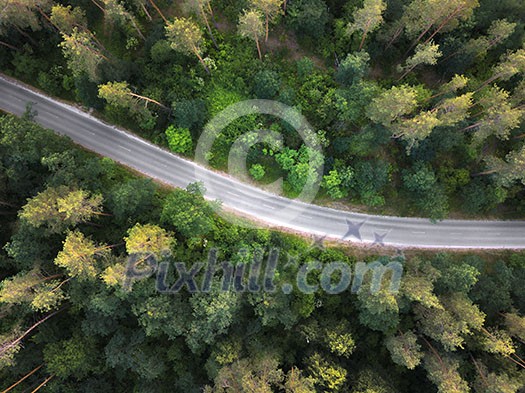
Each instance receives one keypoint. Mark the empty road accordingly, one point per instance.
(168, 168)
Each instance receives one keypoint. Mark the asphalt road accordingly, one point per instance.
(170, 169)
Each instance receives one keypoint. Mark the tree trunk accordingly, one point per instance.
(43, 383)
(148, 100)
(267, 22)
(23, 379)
(365, 32)
(9, 46)
(132, 19)
(258, 47)
(395, 37)
(447, 19)
(159, 11)
(146, 11)
(201, 60)
(209, 29)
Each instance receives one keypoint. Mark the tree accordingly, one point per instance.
(58, 208)
(498, 116)
(203, 9)
(115, 12)
(515, 325)
(511, 64)
(270, 9)
(424, 190)
(257, 171)
(119, 95)
(78, 256)
(421, 16)
(426, 53)
(179, 140)
(148, 240)
(67, 18)
(185, 36)
(391, 104)
(353, 68)
(251, 26)
(296, 383)
(325, 373)
(189, 213)
(379, 310)
(83, 53)
(22, 15)
(367, 19)
(510, 170)
(405, 350)
(443, 372)
(498, 31)
(452, 111)
(417, 128)
(42, 293)
(308, 17)
(492, 382)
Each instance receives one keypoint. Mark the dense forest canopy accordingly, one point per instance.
(419, 105)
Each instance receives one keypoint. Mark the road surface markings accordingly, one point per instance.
(418, 232)
(269, 207)
(232, 193)
(122, 147)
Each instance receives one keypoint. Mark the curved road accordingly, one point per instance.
(168, 168)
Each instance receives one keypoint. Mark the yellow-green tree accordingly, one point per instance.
(251, 26)
(185, 36)
(270, 9)
(79, 256)
(148, 240)
(367, 19)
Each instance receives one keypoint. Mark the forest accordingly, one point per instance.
(419, 106)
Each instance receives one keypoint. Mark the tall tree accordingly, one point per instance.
(83, 53)
(426, 53)
(498, 117)
(416, 128)
(270, 9)
(391, 104)
(367, 19)
(59, 207)
(148, 239)
(119, 94)
(424, 16)
(251, 26)
(78, 256)
(510, 169)
(452, 111)
(185, 36)
(203, 9)
(115, 12)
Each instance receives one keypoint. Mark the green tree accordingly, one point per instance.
(179, 140)
(83, 53)
(58, 208)
(189, 213)
(326, 374)
(353, 68)
(417, 128)
(203, 9)
(78, 256)
(405, 350)
(251, 26)
(443, 372)
(308, 17)
(270, 9)
(148, 239)
(391, 104)
(257, 171)
(367, 19)
(498, 118)
(426, 53)
(185, 36)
